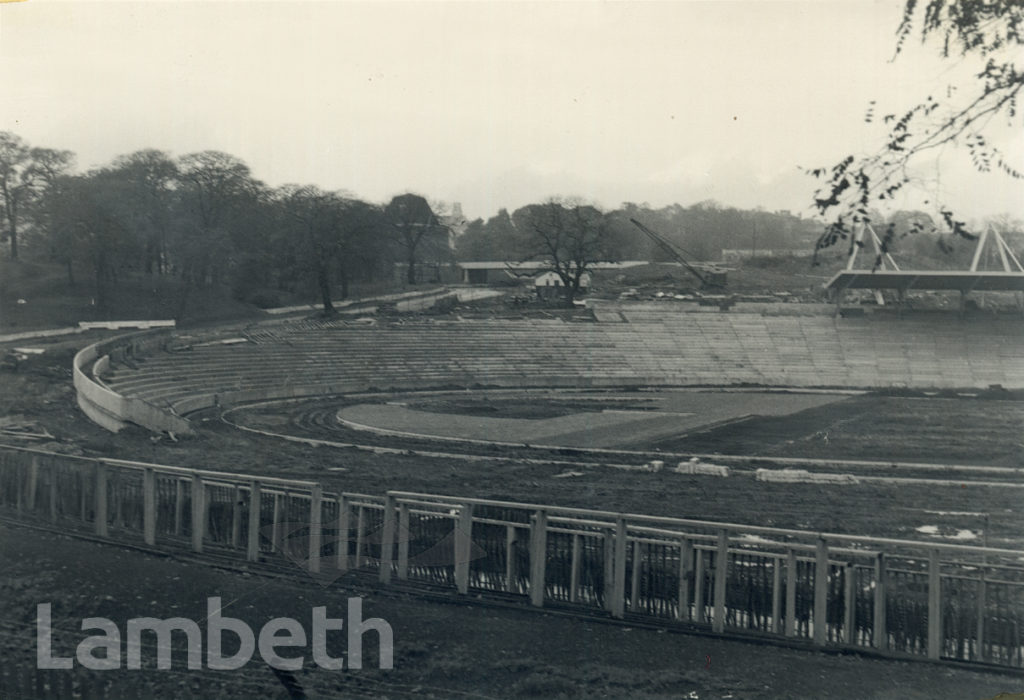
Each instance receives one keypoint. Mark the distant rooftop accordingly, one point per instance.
(542, 265)
(956, 280)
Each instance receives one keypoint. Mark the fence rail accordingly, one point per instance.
(894, 596)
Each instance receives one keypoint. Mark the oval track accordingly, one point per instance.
(315, 420)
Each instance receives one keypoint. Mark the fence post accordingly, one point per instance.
(721, 577)
(149, 506)
(980, 643)
(685, 559)
(821, 567)
(276, 526)
(19, 486)
(33, 481)
(53, 491)
(777, 595)
(619, 580)
(609, 570)
(387, 540)
(179, 503)
(403, 542)
(511, 560)
(574, 569)
(699, 609)
(464, 547)
(101, 499)
(316, 514)
(252, 550)
(934, 606)
(344, 516)
(538, 557)
(881, 634)
(198, 512)
(791, 621)
(236, 516)
(357, 561)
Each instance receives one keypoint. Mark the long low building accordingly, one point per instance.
(501, 271)
(964, 281)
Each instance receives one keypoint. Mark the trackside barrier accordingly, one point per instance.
(116, 325)
(897, 597)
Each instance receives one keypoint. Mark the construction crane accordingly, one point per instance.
(710, 278)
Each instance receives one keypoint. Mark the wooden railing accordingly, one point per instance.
(941, 601)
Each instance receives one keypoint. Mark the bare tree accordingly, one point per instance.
(90, 220)
(213, 187)
(412, 221)
(569, 236)
(315, 216)
(359, 244)
(152, 178)
(24, 173)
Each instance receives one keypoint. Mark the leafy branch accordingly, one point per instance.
(988, 29)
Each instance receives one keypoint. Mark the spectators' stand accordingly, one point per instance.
(649, 348)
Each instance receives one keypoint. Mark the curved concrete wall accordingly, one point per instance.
(108, 408)
(104, 407)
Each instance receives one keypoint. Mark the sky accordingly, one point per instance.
(489, 104)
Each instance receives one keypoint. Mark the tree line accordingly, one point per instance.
(702, 231)
(205, 220)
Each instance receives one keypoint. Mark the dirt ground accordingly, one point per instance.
(662, 415)
(983, 429)
(868, 427)
(442, 650)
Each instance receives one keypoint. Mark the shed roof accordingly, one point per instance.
(543, 265)
(955, 280)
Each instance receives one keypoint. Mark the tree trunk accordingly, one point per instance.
(186, 292)
(325, 289)
(570, 294)
(101, 299)
(13, 226)
(161, 258)
(410, 275)
(343, 276)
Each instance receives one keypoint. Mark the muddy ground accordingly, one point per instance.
(441, 650)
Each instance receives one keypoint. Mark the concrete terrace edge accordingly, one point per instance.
(114, 411)
(109, 409)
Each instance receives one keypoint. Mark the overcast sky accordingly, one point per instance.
(488, 104)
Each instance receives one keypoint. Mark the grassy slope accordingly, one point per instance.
(51, 302)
